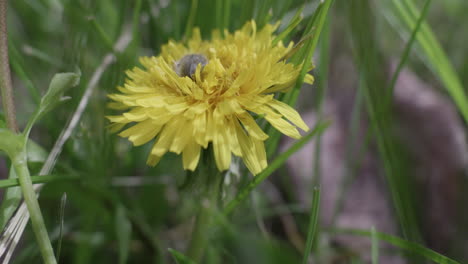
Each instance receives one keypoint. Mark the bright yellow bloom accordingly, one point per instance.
(185, 109)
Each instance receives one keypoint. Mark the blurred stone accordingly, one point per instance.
(435, 135)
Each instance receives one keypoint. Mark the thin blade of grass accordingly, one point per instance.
(191, 19)
(407, 13)
(280, 160)
(136, 20)
(312, 230)
(404, 57)
(35, 179)
(247, 12)
(102, 34)
(374, 246)
(411, 247)
(291, 26)
(226, 14)
(123, 231)
(218, 14)
(262, 14)
(63, 202)
(369, 61)
(18, 65)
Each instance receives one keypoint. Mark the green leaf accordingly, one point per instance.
(180, 258)
(60, 83)
(35, 152)
(123, 230)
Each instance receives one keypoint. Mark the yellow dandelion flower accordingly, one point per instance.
(203, 92)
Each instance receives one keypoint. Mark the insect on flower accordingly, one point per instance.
(188, 64)
(200, 93)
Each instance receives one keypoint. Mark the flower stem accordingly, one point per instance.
(42, 237)
(208, 207)
(5, 78)
(199, 236)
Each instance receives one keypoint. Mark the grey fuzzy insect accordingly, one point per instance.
(187, 65)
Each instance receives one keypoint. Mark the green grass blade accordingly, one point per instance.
(123, 230)
(191, 19)
(409, 246)
(11, 198)
(136, 20)
(18, 65)
(102, 34)
(36, 179)
(263, 10)
(409, 45)
(374, 246)
(312, 230)
(280, 160)
(180, 258)
(226, 13)
(438, 61)
(218, 14)
(63, 202)
(369, 61)
(247, 12)
(291, 26)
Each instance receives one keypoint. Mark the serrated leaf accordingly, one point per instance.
(180, 258)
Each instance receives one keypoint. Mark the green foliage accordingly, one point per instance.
(11, 143)
(60, 83)
(120, 210)
(311, 233)
(123, 230)
(437, 60)
(180, 258)
(414, 248)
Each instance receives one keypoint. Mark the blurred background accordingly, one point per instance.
(394, 157)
